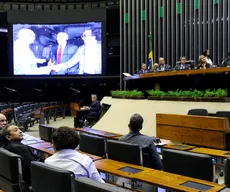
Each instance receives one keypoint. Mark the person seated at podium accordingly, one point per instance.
(143, 69)
(3, 121)
(207, 56)
(135, 137)
(92, 110)
(226, 62)
(65, 142)
(182, 65)
(203, 63)
(12, 137)
(162, 66)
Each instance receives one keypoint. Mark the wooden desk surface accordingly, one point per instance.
(176, 73)
(212, 152)
(151, 176)
(180, 147)
(112, 166)
(174, 181)
(47, 147)
(98, 132)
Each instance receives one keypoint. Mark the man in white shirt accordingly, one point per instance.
(24, 59)
(65, 141)
(89, 56)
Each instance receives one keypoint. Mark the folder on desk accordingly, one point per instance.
(127, 74)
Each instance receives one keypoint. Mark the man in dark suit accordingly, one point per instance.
(62, 52)
(162, 66)
(143, 69)
(182, 65)
(147, 143)
(93, 110)
(12, 137)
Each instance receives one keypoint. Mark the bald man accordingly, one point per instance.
(3, 121)
(62, 52)
(162, 66)
(24, 58)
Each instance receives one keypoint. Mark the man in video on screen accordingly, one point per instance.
(24, 58)
(88, 56)
(62, 52)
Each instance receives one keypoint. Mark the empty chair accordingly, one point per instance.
(223, 114)
(86, 184)
(92, 144)
(188, 164)
(124, 152)
(46, 132)
(199, 112)
(46, 178)
(11, 172)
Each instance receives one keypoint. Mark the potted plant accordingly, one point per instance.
(155, 94)
(127, 94)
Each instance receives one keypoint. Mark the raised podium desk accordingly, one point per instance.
(177, 73)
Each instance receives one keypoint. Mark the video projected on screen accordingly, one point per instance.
(63, 49)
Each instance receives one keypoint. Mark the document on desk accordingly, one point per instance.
(127, 74)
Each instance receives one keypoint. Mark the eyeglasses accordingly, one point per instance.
(3, 120)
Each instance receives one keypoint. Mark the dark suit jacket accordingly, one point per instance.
(166, 67)
(225, 63)
(27, 156)
(143, 71)
(145, 142)
(95, 108)
(68, 52)
(178, 66)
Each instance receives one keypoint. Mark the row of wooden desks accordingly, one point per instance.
(153, 177)
(142, 174)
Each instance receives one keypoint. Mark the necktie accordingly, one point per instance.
(59, 54)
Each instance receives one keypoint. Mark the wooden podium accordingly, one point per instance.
(74, 107)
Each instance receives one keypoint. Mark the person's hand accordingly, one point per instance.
(56, 68)
(41, 60)
(50, 63)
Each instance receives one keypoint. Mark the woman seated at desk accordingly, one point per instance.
(203, 63)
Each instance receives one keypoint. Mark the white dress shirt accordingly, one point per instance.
(208, 60)
(66, 159)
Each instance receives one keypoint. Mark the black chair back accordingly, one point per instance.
(223, 114)
(227, 172)
(86, 184)
(188, 164)
(47, 178)
(199, 112)
(46, 132)
(11, 172)
(124, 152)
(92, 144)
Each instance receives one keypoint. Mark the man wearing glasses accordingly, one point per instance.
(3, 121)
(88, 56)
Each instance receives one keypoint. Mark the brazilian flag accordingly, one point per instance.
(150, 56)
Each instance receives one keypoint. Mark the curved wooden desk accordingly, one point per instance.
(177, 73)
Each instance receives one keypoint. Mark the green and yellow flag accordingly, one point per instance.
(150, 57)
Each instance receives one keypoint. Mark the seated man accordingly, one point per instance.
(226, 62)
(3, 121)
(93, 110)
(161, 65)
(143, 69)
(182, 65)
(65, 141)
(12, 137)
(135, 137)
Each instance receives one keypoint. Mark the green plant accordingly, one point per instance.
(156, 93)
(209, 93)
(220, 93)
(173, 93)
(187, 93)
(197, 93)
(127, 93)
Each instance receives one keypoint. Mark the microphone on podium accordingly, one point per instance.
(71, 88)
(9, 89)
(39, 90)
